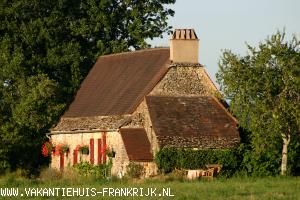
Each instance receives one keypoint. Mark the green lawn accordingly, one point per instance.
(234, 188)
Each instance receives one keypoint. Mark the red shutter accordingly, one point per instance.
(75, 156)
(61, 161)
(92, 151)
(99, 152)
(104, 147)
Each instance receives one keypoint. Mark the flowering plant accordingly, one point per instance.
(47, 148)
(83, 149)
(65, 148)
(60, 149)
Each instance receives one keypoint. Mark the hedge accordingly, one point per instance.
(168, 159)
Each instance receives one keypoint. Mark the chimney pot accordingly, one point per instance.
(184, 46)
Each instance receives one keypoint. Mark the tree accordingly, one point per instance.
(47, 47)
(263, 88)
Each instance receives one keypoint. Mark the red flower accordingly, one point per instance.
(46, 149)
(58, 150)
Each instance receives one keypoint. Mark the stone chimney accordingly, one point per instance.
(184, 46)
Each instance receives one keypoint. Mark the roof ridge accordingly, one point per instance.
(136, 51)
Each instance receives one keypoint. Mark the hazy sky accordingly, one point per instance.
(228, 24)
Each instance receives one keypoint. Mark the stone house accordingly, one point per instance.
(136, 103)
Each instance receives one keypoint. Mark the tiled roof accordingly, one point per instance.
(69, 124)
(136, 144)
(117, 83)
(191, 121)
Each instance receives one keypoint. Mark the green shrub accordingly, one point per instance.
(84, 149)
(96, 171)
(169, 159)
(261, 156)
(293, 156)
(259, 164)
(135, 170)
(166, 159)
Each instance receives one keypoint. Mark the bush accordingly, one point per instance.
(96, 171)
(135, 170)
(259, 164)
(169, 159)
(166, 159)
(293, 156)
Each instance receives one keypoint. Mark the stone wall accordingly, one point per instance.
(141, 119)
(90, 123)
(150, 168)
(200, 142)
(151, 133)
(185, 80)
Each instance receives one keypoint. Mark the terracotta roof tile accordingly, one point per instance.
(189, 118)
(117, 83)
(136, 144)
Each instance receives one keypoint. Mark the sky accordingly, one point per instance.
(229, 24)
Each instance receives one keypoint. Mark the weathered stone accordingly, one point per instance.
(189, 80)
(91, 123)
(200, 142)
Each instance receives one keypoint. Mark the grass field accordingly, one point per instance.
(233, 188)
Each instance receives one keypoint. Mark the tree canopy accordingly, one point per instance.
(263, 88)
(47, 47)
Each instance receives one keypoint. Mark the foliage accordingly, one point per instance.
(60, 149)
(26, 109)
(83, 149)
(47, 148)
(258, 165)
(46, 48)
(65, 148)
(135, 170)
(96, 171)
(168, 159)
(263, 88)
(293, 156)
(110, 152)
(4, 165)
